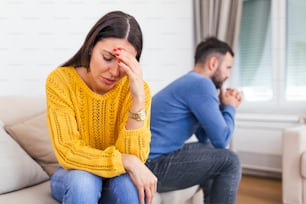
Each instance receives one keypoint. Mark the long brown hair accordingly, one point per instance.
(116, 24)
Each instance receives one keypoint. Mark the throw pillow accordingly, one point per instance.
(17, 168)
(33, 136)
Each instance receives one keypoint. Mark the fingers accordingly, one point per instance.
(232, 97)
(127, 62)
(234, 92)
(151, 190)
(144, 180)
(149, 196)
(141, 195)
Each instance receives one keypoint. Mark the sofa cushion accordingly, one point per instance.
(33, 136)
(37, 194)
(17, 168)
(15, 108)
(183, 196)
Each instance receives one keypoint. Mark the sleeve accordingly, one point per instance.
(70, 150)
(137, 141)
(215, 124)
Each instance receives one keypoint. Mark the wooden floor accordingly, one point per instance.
(259, 190)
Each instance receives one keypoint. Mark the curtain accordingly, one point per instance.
(219, 18)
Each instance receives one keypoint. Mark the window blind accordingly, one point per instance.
(296, 50)
(255, 63)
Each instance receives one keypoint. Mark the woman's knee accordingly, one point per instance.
(83, 183)
(120, 189)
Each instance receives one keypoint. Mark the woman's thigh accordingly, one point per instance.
(75, 186)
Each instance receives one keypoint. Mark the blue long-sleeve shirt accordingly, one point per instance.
(189, 105)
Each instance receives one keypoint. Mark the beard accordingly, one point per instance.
(217, 79)
(217, 82)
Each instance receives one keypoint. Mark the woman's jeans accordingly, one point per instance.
(217, 171)
(76, 187)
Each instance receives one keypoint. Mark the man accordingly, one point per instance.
(197, 104)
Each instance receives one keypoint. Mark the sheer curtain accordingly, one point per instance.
(220, 18)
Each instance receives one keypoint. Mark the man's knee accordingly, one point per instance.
(234, 161)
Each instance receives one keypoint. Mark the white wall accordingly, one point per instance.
(38, 35)
(258, 140)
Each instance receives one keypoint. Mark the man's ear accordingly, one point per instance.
(213, 63)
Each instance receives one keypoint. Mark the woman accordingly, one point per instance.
(99, 118)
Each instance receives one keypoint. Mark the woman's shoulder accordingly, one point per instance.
(61, 70)
(62, 73)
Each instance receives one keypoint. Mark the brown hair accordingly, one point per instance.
(116, 24)
(211, 45)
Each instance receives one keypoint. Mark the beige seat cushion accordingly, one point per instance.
(38, 194)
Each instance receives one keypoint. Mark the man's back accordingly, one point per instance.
(179, 110)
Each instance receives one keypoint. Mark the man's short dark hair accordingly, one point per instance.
(209, 46)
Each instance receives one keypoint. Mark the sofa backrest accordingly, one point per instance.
(15, 108)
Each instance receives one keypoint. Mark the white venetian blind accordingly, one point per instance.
(255, 63)
(296, 50)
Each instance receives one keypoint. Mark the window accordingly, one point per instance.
(270, 65)
(296, 50)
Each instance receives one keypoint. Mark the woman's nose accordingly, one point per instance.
(114, 70)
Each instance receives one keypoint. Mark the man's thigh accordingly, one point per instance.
(194, 164)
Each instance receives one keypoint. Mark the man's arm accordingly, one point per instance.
(217, 124)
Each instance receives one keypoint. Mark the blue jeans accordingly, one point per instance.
(217, 171)
(77, 186)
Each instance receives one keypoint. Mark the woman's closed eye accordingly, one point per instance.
(108, 56)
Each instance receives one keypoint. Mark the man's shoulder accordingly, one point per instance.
(195, 81)
(189, 78)
(190, 81)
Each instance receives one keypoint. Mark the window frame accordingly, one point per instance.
(278, 103)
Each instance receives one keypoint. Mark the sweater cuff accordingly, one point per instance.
(229, 109)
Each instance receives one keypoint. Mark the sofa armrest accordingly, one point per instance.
(294, 144)
(303, 165)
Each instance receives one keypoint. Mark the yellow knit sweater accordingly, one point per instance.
(87, 130)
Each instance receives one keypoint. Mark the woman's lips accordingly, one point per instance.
(108, 81)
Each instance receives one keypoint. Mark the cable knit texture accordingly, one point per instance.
(87, 130)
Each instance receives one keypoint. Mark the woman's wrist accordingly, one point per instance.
(127, 161)
(138, 105)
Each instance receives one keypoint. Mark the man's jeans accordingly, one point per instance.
(217, 171)
(76, 187)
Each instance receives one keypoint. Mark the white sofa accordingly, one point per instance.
(27, 159)
(294, 165)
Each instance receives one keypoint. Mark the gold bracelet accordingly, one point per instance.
(139, 116)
